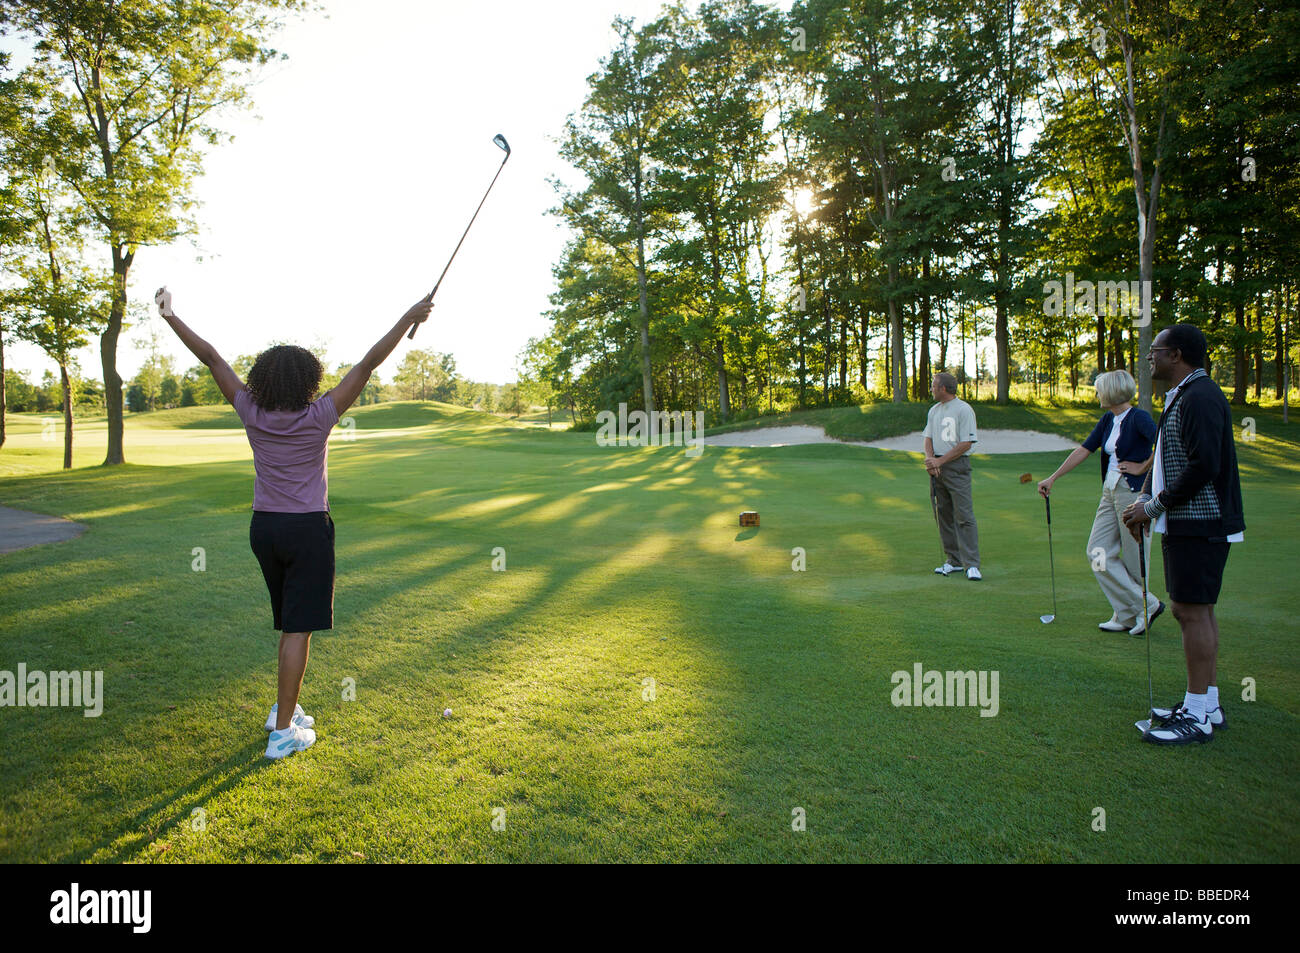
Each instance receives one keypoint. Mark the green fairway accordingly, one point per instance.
(771, 688)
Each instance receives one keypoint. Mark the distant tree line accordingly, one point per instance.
(829, 204)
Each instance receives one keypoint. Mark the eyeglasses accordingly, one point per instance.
(1154, 349)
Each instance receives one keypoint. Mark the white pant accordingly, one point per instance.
(1113, 553)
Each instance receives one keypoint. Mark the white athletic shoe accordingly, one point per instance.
(974, 573)
(300, 718)
(1114, 625)
(281, 744)
(1180, 729)
(1152, 615)
(1218, 720)
(947, 569)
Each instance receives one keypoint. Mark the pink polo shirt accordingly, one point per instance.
(290, 453)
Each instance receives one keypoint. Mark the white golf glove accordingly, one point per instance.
(163, 298)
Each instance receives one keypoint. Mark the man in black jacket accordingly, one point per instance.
(1193, 497)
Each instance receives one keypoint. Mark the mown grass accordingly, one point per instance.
(771, 688)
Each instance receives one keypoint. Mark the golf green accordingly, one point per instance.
(645, 681)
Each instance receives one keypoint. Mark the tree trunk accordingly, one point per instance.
(898, 376)
(1239, 346)
(1259, 346)
(862, 349)
(67, 416)
(108, 355)
(1277, 364)
(923, 365)
(724, 397)
(844, 354)
(944, 331)
(1000, 330)
(827, 344)
(647, 381)
(2, 386)
(1101, 343)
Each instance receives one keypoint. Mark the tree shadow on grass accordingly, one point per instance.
(130, 836)
(786, 697)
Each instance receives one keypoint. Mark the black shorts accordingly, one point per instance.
(1194, 567)
(296, 552)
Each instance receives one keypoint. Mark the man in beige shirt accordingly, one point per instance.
(949, 436)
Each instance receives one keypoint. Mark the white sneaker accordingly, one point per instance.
(300, 718)
(947, 569)
(281, 744)
(1114, 625)
(1218, 720)
(974, 573)
(1139, 628)
(1180, 729)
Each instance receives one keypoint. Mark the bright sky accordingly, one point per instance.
(335, 210)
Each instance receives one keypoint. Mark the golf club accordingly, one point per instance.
(1145, 724)
(500, 142)
(934, 505)
(1051, 559)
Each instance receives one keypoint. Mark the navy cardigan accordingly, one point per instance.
(1137, 436)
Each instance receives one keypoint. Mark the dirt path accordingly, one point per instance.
(20, 529)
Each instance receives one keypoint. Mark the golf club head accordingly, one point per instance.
(501, 143)
(1045, 619)
(1143, 726)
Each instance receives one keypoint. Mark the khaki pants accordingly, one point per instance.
(957, 529)
(1113, 553)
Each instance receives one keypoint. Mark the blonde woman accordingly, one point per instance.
(1124, 435)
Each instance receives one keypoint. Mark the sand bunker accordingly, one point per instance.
(990, 441)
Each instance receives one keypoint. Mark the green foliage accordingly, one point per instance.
(840, 200)
(118, 103)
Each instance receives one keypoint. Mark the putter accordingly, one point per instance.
(1045, 619)
(934, 505)
(1144, 725)
(500, 142)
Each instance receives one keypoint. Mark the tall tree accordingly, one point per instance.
(130, 93)
(59, 301)
(610, 141)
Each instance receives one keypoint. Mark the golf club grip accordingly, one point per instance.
(1048, 501)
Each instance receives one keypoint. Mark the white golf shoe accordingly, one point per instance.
(281, 744)
(300, 718)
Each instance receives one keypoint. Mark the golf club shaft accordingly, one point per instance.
(934, 505)
(1051, 557)
(462, 238)
(1146, 622)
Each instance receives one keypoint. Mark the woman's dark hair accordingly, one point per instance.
(284, 377)
(1188, 339)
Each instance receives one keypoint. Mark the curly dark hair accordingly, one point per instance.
(284, 377)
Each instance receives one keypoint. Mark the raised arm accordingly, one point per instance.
(222, 372)
(346, 392)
